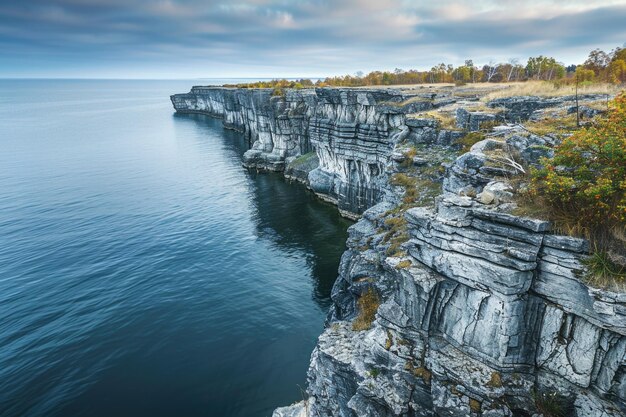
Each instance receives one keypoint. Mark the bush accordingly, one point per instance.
(278, 92)
(584, 184)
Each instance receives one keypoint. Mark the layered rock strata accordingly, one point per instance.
(352, 131)
(482, 312)
(479, 312)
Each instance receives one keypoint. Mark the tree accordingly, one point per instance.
(490, 70)
(597, 61)
(470, 64)
(618, 53)
(617, 71)
(544, 68)
(584, 74)
(513, 62)
(463, 74)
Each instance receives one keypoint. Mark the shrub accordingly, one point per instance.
(403, 180)
(374, 372)
(584, 184)
(368, 306)
(469, 140)
(551, 404)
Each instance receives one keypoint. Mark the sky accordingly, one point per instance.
(296, 38)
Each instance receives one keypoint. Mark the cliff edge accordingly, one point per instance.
(447, 302)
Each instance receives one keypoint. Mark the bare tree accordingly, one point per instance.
(491, 70)
(513, 62)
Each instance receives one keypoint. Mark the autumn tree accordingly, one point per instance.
(597, 61)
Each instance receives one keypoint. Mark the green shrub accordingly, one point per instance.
(469, 140)
(584, 184)
(278, 92)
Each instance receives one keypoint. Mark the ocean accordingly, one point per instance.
(143, 270)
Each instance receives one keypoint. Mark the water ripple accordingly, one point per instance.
(143, 271)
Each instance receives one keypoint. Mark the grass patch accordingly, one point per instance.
(409, 154)
(420, 372)
(416, 99)
(417, 192)
(404, 264)
(550, 89)
(495, 381)
(389, 341)
(368, 306)
(423, 373)
(396, 235)
(550, 404)
(474, 405)
(561, 125)
(303, 159)
(445, 120)
(603, 272)
(470, 140)
(403, 180)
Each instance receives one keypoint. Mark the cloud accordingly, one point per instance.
(290, 38)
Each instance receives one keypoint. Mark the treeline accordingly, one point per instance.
(600, 66)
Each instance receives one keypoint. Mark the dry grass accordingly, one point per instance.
(549, 89)
(404, 264)
(389, 341)
(602, 272)
(565, 123)
(474, 405)
(368, 306)
(421, 372)
(495, 381)
(408, 87)
(446, 121)
(408, 101)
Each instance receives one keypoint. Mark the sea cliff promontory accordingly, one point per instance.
(450, 301)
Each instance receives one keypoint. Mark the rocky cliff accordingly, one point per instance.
(353, 133)
(449, 305)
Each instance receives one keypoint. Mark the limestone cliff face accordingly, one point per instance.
(353, 132)
(488, 310)
(479, 312)
(482, 312)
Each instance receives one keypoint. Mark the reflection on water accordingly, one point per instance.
(143, 271)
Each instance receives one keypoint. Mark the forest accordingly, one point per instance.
(600, 66)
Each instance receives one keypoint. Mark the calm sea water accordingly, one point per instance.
(143, 271)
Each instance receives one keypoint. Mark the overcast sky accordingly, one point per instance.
(280, 38)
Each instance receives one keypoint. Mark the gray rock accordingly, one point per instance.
(481, 308)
